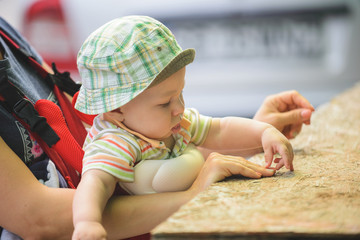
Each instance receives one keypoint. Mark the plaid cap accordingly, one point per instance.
(122, 58)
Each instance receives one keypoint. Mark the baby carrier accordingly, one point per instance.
(35, 111)
(37, 120)
(35, 99)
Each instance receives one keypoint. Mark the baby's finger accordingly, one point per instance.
(279, 165)
(268, 155)
(287, 156)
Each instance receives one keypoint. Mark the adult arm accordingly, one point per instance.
(28, 208)
(34, 211)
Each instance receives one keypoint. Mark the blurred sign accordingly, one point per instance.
(260, 38)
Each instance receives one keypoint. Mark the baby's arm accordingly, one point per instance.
(233, 134)
(91, 196)
(170, 175)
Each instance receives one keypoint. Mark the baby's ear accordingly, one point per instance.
(114, 115)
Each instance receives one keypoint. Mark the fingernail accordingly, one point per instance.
(305, 114)
(270, 170)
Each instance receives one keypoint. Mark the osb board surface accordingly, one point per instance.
(322, 195)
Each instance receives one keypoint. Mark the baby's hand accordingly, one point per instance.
(274, 142)
(89, 231)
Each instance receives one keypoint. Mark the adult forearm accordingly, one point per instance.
(47, 216)
(34, 211)
(124, 216)
(28, 208)
(54, 215)
(127, 216)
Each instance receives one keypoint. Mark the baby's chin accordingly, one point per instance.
(163, 138)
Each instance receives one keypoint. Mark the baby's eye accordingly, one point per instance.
(165, 104)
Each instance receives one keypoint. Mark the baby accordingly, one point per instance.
(133, 74)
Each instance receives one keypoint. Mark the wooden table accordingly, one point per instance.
(320, 199)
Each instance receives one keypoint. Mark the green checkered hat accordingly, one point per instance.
(122, 58)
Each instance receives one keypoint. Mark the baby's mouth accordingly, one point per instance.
(176, 129)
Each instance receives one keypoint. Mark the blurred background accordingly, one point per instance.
(245, 50)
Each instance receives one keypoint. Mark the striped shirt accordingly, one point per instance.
(115, 149)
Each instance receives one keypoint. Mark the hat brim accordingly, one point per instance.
(181, 60)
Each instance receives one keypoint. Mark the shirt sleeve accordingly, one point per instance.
(199, 126)
(112, 154)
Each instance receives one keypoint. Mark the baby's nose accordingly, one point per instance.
(180, 106)
(181, 100)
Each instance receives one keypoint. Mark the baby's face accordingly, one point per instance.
(156, 113)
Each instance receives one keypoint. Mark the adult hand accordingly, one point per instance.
(286, 111)
(218, 166)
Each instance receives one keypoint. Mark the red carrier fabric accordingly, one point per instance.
(67, 147)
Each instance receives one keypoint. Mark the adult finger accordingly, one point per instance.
(286, 131)
(306, 116)
(295, 129)
(295, 98)
(240, 169)
(251, 165)
(218, 166)
(296, 116)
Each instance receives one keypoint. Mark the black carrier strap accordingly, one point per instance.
(64, 81)
(25, 110)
